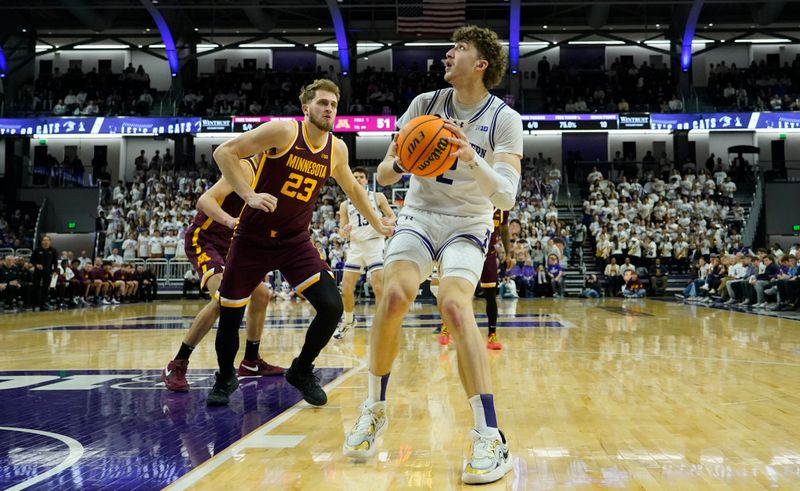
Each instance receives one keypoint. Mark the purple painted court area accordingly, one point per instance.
(135, 434)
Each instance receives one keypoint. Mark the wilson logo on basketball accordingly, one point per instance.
(436, 154)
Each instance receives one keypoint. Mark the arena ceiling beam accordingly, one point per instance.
(143, 49)
(726, 42)
(547, 48)
(32, 57)
(630, 42)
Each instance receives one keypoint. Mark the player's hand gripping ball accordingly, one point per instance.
(424, 148)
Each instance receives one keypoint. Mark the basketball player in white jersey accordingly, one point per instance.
(449, 219)
(366, 250)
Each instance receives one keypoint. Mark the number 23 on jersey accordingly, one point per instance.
(293, 184)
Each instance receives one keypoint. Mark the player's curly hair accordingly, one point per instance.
(308, 92)
(489, 48)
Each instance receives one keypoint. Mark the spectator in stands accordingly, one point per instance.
(114, 258)
(60, 109)
(101, 228)
(659, 279)
(156, 245)
(170, 243)
(591, 287)
(788, 285)
(634, 288)
(613, 278)
(144, 243)
(191, 282)
(522, 274)
(556, 273)
(770, 275)
(12, 292)
(675, 104)
(508, 288)
(148, 284)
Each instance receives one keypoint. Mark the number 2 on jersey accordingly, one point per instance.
(444, 180)
(293, 183)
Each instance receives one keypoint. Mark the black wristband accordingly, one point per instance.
(396, 167)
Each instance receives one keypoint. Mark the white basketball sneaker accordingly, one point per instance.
(361, 441)
(343, 328)
(490, 459)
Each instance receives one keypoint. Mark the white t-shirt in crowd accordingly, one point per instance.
(156, 245)
(169, 242)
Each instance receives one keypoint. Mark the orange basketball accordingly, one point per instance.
(424, 148)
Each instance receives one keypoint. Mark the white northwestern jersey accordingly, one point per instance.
(491, 127)
(362, 230)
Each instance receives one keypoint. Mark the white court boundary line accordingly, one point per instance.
(207, 467)
(75, 453)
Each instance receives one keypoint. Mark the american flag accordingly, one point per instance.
(430, 16)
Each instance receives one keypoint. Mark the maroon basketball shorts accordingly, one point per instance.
(206, 252)
(489, 274)
(250, 258)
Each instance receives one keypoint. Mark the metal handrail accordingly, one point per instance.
(750, 228)
(39, 217)
(99, 206)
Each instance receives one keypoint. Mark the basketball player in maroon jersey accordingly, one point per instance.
(272, 232)
(489, 278)
(206, 244)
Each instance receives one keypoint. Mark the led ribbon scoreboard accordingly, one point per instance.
(134, 126)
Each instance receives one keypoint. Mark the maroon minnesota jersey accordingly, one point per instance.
(499, 218)
(295, 175)
(231, 204)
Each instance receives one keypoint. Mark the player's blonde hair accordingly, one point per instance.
(489, 49)
(308, 92)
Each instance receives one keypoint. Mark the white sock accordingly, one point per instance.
(482, 412)
(375, 384)
(348, 317)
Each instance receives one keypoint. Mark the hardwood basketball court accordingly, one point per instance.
(596, 394)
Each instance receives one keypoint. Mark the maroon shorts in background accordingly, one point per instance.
(206, 251)
(489, 274)
(250, 258)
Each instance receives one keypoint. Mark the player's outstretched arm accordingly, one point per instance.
(389, 170)
(272, 135)
(383, 205)
(357, 194)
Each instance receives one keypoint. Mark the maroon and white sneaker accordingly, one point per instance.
(258, 368)
(174, 376)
